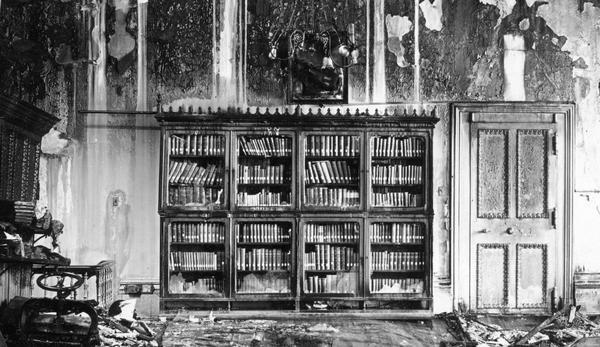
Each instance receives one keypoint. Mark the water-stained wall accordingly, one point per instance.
(101, 174)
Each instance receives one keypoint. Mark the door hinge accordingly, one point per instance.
(553, 143)
(553, 218)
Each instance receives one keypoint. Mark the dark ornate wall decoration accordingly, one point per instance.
(180, 48)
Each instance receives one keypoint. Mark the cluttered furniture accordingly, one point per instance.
(21, 129)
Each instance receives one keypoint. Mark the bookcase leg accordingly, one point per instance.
(228, 306)
(297, 305)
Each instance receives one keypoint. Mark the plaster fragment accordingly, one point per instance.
(505, 6)
(397, 26)
(524, 24)
(121, 42)
(433, 14)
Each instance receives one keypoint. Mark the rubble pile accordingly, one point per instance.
(564, 328)
(120, 326)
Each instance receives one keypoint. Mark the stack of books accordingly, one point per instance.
(196, 261)
(197, 232)
(394, 261)
(198, 145)
(24, 212)
(262, 232)
(265, 146)
(397, 233)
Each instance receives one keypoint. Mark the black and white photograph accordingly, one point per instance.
(300, 173)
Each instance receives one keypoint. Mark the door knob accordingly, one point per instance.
(511, 230)
(484, 231)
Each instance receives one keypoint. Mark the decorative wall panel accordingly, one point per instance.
(492, 275)
(532, 174)
(532, 275)
(492, 174)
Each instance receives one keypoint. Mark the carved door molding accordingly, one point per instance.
(511, 164)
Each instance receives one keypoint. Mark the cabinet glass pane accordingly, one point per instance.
(332, 171)
(264, 172)
(196, 170)
(331, 257)
(263, 257)
(397, 177)
(397, 259)
(196, 258)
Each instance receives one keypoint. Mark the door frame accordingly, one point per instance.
(460, 233)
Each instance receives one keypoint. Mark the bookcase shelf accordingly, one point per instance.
(268, 209)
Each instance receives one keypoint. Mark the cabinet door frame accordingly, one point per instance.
(234, 155)
(163, 198)
(292, 266)
(302, 169)
(305, 219)
(425, 135)
(165, 245)
(460, 120)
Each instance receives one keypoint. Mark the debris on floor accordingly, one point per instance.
(120, 326)
(565, 328)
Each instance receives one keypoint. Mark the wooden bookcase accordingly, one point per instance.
(291, 211)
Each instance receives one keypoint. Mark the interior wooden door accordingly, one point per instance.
(516, 188)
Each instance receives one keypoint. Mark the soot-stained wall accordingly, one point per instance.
(215, 53)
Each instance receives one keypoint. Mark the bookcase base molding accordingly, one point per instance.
(306, 213)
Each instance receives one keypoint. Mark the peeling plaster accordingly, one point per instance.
(433, 14)
(582, 30)
(505, 6)
(397, 26)
(121, 42)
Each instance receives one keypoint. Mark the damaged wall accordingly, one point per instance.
(103, 181)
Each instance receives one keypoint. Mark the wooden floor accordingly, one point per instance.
(330, 331)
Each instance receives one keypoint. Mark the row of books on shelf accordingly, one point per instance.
(388, 198)
(397, 285)
(264, 283)
(394, 261)
(392, 147)
(260, 259)
(196, 261)
(267, 146)
(197, 232)
(330, 171)
(327, 257)
(336, 232)
(204, 285)
(268, 232)
(264, 198)
(340, 283)
(335, 197)
(332, 145)
(396, 174)
(195, 196)
(397, 232)
(188, 172)
(193, 144)
(262, 174)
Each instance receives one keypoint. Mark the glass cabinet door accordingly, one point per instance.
(397, 178)
(196, 170)
(397, 257)
(263, 257)
(197, 262)
(331, 257)
(332, 171)
(264, 173)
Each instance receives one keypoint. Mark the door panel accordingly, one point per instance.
(492, 286)
(532, 173)
(532, 285)
(492, 179)
(513, 238)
